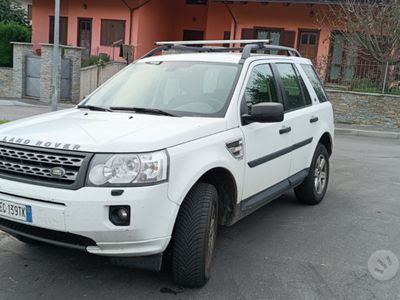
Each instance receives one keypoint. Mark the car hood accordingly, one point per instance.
(103, 132)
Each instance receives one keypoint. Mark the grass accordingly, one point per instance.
(3, 121)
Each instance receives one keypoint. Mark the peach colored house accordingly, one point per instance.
(97, 24)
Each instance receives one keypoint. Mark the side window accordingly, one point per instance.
(261, 86)
(291, 86)
(315, 82)
(306, 93)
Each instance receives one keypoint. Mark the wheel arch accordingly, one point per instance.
(327, 141)
(225, 183)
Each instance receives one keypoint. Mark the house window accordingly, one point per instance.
(269, 34)
(63, 30)
(201, 2)
(30, 12)
(227, 36)
(343, 58)
(112, 31)
(308, 44)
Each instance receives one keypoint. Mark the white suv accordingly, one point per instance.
(153, 161)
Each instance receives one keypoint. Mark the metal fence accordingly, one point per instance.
(361, 75)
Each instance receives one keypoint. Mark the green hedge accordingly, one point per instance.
(100, 60)
(11, 32)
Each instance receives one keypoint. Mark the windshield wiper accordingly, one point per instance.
(95, 108)
(141, 110)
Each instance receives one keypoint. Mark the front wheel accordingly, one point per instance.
(195, 236)
(314, 187)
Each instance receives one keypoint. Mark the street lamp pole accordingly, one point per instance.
(56, 58)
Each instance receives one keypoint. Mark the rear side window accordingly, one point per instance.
(315, 82)
(291, 86)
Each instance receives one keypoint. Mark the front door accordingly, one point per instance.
(266, 144)
(85, 36)
(308, 44)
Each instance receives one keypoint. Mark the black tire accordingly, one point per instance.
(194, 236)
(307, 192)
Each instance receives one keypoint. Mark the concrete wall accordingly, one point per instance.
(366, 109)
(94, 76)
(6, 83)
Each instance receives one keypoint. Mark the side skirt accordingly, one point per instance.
(251, 204)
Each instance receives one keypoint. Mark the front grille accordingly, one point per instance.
(38, 166)
(74, 240)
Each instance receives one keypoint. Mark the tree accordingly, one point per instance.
(11, 11)
(11, 32)
(370, 27)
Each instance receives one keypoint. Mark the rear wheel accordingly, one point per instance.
(195, 236)
(312, 191)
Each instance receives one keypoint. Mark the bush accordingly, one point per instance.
(11, 32)
(100, 60)
(364, 85)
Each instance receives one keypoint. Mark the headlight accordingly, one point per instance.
(128, 169)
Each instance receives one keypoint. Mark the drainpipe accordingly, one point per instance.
(131, 12)
(234, 20)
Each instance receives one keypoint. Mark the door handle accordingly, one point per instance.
(285, 130)
(314, 120)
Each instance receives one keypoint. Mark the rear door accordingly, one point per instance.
(266, 144)
(301, 116)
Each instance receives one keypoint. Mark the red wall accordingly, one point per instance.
(74, 9)
(273, 15)
(166, 20)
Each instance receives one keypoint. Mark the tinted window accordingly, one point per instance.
(291, 86)
(261, 86)
(315, 82)
(306, 94)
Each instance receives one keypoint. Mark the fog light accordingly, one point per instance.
(123, 213)
(120, 215)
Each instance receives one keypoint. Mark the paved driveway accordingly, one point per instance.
(283, 251)
(17, 109)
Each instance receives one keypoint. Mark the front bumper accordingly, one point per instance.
(65, 217)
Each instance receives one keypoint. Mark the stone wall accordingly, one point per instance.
(12, 81)
(67, 52)
(366, 109)
(6, 83)
(20, 51)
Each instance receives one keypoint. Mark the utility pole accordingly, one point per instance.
(56, 59)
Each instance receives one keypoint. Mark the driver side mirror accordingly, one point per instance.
(266, 112)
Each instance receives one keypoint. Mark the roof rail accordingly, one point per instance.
(213, 42)
(248, 46)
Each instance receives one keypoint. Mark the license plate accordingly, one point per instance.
(16, 211)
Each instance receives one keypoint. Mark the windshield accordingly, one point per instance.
(182, 88)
